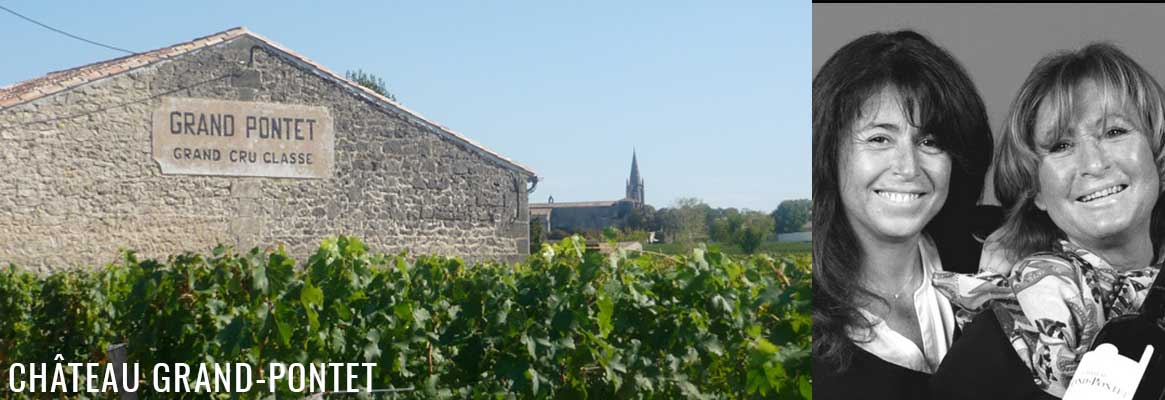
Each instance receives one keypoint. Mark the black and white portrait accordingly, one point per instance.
(986, 193)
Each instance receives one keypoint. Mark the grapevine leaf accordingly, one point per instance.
(713, 346)
(644, 383)
(341, 311)
(311, 296)
(529, 346)
(372, 348)
(402, 266)
(421, 316)
(338, 343)
(282, 317)
(801, 323)
(533, 377)
(353, 247)
(232, 337)
(259, 278)
(618, 366)
(765, 346)
(280, 272)
(688, 389)
(775, 373)
(606, 310)
(805, 387)
(567, 342)
(403, 313)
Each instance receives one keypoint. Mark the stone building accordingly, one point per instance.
(591, 215)
(234, 139)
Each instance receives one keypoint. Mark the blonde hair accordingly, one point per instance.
(1026, 228)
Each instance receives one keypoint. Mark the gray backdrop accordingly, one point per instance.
(998, 44)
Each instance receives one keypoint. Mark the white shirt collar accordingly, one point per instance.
(936, 320)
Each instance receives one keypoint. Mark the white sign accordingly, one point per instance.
(234, 138)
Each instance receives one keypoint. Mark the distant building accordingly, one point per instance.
(592, 215)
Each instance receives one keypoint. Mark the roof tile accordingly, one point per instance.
(29, 96)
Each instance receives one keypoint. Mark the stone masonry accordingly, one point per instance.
(80, 182)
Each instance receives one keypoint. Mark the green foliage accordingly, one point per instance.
(755, 229)
(747, 229)
(611, 234)
(723, 224)
(537, 234)
(686, 222)
(370, 81)
(17, 292)
(632, 235)
(793, 215)
(643, 218)
(565, 324)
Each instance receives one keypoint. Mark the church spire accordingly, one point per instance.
(635, 183)
(634, 168)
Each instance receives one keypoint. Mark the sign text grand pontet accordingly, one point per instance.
(218, 137)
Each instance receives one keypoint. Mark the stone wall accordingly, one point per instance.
(80, 181)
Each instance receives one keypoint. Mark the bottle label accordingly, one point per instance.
(1103, 374)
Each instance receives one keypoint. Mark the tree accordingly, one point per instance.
(369, 81)
(643, 218)
(724, 224)
(686, 222)
(611, 234)
(536, 235)
(792, 215)
(755, 228)
(747, 229)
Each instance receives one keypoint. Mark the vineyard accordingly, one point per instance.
(565, 324)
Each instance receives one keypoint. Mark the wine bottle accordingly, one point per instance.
(1133, 332)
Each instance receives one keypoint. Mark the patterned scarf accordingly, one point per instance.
(1050, 306)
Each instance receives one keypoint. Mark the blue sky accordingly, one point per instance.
(715, 98)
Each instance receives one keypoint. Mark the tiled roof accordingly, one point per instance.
(54, 82)
(32, 89)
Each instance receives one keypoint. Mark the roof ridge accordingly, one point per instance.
(57, 81)
(393, 103)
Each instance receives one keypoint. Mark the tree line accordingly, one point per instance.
(690, 220)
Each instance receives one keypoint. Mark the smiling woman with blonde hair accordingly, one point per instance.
(1065, 88)
(1081, 166)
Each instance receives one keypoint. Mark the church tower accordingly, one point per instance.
(635, 183)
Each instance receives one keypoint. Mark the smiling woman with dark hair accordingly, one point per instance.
(901, 144)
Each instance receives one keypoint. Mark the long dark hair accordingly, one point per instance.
(948, 106)
(1027, 229)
